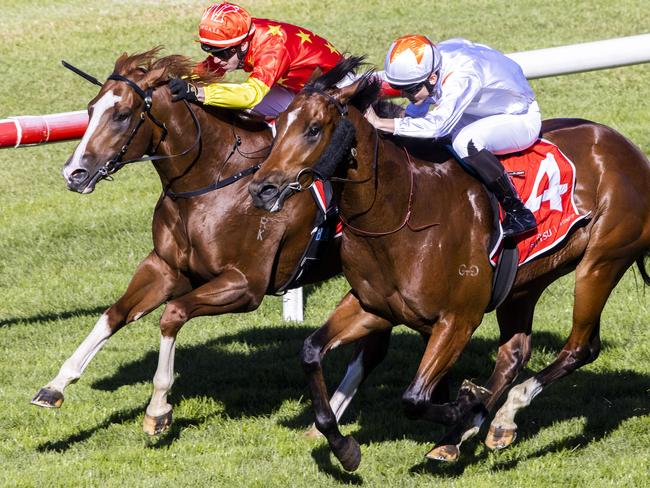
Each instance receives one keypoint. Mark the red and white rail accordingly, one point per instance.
(29, 130)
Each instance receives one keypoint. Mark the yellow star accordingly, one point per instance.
(331, 48)
(282, 82)
(274, 30)
(303, 37)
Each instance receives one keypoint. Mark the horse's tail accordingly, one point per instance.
(640, 262)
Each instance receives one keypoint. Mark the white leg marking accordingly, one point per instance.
(163, 379)
(107, 101)
(348, 388)
(75, 364)
(519, 397)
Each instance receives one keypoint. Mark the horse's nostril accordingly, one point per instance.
(268, 191)
(78, 175)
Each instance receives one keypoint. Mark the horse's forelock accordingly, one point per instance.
(127, 63)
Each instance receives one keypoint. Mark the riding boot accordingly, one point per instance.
(517, 219)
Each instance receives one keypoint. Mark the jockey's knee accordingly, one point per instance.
(465, 144)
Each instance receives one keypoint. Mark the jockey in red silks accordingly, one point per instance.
(280, 58)
(476, 96)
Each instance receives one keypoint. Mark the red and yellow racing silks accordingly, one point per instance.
(279, 53)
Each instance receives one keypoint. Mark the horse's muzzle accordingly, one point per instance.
(265, 196)
(79, 177)
(77, 180)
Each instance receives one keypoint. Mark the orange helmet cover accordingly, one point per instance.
(224, 25)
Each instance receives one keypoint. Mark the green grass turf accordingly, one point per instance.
(240, 399)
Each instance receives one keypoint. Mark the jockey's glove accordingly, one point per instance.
(182, 90)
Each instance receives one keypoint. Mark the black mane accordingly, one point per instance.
(336, 74)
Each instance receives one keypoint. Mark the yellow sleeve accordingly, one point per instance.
(236, 95)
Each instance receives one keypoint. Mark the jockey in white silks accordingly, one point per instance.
(476, 96)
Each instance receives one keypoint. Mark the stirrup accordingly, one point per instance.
(515, 225)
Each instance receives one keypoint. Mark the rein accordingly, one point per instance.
(407, 217)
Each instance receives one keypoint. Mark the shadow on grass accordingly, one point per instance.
(50, 317)
(116, 418)
(253, 372)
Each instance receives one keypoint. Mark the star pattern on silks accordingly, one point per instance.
(275, 30)
(304, 37)
(282, 82)
(331, 48)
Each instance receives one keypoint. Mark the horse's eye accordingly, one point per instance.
(121, 116)
(313, 131)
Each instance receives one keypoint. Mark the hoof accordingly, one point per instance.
(500, 437)
(448, 453)
(475, 390)
(313, 433)
(48, 398)
(157, 425)
(349, 454)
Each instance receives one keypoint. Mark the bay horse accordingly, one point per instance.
(213, 252)
(412, 225)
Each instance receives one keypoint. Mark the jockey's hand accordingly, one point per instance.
(371, 116)
(182, 90)
(387, 125)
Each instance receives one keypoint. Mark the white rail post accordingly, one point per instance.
(588, 56)
(292, 305)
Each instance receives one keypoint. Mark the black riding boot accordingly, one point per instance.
(518, 219)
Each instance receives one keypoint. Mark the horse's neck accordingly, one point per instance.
(385, 173)
(215, 156)
(402, 183)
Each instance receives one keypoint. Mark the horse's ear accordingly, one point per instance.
(154, 76)
(317, 73)
(343, 95)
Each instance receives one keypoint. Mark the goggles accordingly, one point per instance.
(410, 90)
(222, 53)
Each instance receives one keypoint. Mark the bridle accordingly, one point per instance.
(309, 174)
(117, 161)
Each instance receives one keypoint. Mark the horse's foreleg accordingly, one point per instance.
(151, 284)
(594, 283)
(448, 339)
(370, 351)
(229, 292)
(347, 323)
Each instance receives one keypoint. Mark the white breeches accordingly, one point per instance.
(499, 134)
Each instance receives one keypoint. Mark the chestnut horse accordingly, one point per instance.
(411, 225)
(213, 253)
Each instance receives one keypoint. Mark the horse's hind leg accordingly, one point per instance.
(228, 292)
(151, 284)
(595, 279)
(370, 351)
(347, 323)
(515, 317)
